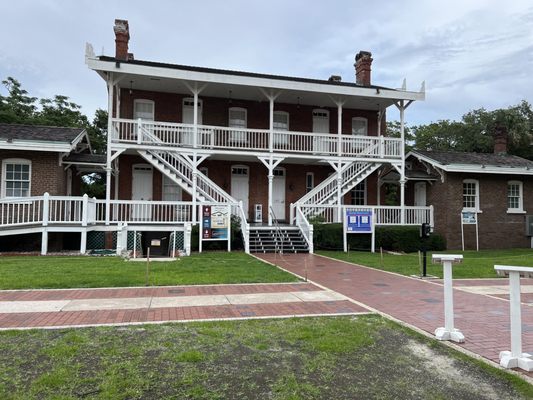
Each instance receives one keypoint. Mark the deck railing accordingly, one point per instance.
(179, 135)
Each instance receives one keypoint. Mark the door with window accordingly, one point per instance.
(144, 110)
(420, 194)
(240, 189)
(187, 134)
(238, 119)
(141, 189)
(321, 125)
(281, 125)
(278, 193)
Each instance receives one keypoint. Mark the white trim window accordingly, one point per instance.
(171, 190)
(359, 126)
(471, 195)
(359, 194)
(16, 177)
(309, 182)
(144, 109)
(238, 118)
(515, 197)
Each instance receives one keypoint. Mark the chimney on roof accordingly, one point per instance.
(363, 64)
(122, 37)
(500, 139)
(335, 78)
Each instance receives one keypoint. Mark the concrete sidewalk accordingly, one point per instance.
(119, 306)
(483, 319)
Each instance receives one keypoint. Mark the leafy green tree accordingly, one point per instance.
(97, 131)
(17, 107)
(59, 111)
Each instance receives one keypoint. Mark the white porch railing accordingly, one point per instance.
(237, 139)
(145, 212)
(305, 227)
(384, 215)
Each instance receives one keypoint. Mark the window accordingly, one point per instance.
(238, 170)
(514, 197)
(471, 195)
(237, 119)
(359, 194)
(171, 190)
(359, 126)
(16, 178)
(309, 182)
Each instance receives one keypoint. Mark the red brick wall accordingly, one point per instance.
(497, 228)
(46, 173)
(168, 108)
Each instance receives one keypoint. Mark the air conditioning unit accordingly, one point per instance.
(529, 225)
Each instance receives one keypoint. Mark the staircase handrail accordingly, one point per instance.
(305, 227)
(277, 228)
(245, 226)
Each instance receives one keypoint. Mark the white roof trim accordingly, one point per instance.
(267, 83)
(472, 168)
(35, 145)
(79, 138)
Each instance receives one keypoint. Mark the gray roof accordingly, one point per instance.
(39, 133)
(486, 159)
(85, 158)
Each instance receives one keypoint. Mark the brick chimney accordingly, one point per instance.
(122, 37)
(363, 64)
(500, 139)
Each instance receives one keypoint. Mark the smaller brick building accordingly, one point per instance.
(497, 187)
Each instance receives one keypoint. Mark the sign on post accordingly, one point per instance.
(216, 224)
(469, 218)
(359, 222)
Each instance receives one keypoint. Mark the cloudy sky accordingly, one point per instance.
(471, 53)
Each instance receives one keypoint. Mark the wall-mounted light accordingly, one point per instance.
(291, 187)
(131, 88)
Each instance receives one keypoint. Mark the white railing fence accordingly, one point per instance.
(144, 212)
(305, 227)
(226, 138)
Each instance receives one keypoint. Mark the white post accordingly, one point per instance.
(402, 153)
(84, 210)
(195, 188)
(270, 184)
(229, 228)
(339, 192)
(83, 242)
(515, 357)
(311, 245)
(44, 242)
(110, 94)
(195, 119)
(339, 128)
(448, 332)
(271, 126)
(46, 208)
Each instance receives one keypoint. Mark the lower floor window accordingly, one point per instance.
(359, 194)
(171, 190)
(16, 178)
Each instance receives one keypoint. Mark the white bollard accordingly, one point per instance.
(448, 332)
(515, 358)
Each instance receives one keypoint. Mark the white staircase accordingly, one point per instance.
(326, 192)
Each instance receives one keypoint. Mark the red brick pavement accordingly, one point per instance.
(483, 320)
(115, 317)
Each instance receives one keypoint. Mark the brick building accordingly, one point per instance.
(496, 187)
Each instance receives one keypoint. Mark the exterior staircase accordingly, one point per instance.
(284, 239)
(326, 192)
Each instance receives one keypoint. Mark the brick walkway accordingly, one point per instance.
(89, 307)
(484, 320)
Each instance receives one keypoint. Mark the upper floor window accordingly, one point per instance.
(471, 195)
(16, 178)
(281, 121)
(237, 118)
(143, 109)
(359, 126)
(515, 202)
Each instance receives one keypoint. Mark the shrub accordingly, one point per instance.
(395, 238)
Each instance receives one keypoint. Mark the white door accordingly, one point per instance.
(420, 194)
(320, 125)
(240, 185)
(278, 193)
(188, 118)
(141, 189)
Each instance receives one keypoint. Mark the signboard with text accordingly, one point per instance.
(359, 221)
(216, 223)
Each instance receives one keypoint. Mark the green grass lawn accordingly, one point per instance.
(365, 357)
(76, 272)
(475, 264)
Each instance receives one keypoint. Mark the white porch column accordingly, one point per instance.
(339, 153)
(339, 128)
(271, 163)
(339, 192)
(194, 187)
(271, 127)
(195, 122)
(402, 152)
(108, 169)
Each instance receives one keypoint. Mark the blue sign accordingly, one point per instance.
(359, 222)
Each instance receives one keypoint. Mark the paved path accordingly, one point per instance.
(484, 320)
(89, 307)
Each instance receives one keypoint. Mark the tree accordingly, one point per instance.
(17, 106)
(97, 131)
(59, 111)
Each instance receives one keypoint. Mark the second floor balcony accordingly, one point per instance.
(211, 139)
